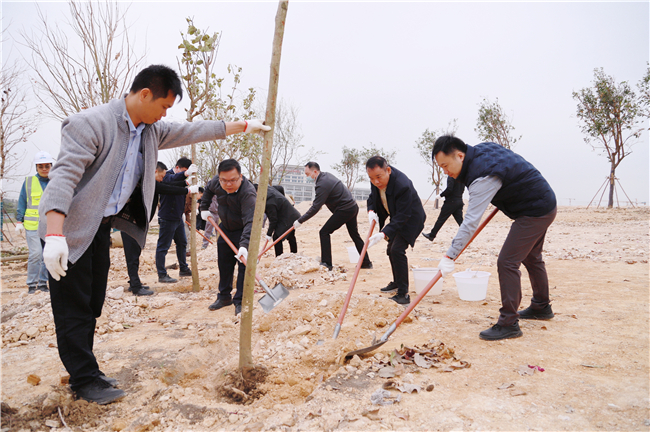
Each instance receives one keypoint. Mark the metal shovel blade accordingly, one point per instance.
(365, 350)
(273, 297)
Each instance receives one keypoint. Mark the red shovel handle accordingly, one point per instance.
(356, 273)
(279, 239)
(437, 277)
(190, 225)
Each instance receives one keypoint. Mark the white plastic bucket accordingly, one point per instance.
(353, 254)
(423, 276)
(472, 285)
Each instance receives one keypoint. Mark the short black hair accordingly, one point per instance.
(160, 80)
(312, 165)
(448, 144)
(183, 162)
(376, 161)
(161, 167)
(228, 165)
(201, 190)
(280, 189)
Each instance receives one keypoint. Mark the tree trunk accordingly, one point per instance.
(194, 263)
(246, 325)
(612, 180)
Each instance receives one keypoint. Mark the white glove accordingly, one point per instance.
(269, 238)
(256, 126)
(372, 216)
(296, 224)
(189, 180)
(19, 227)
(438, 197)
(242, 253)
(376, 239)
(193, 189)
(205, 214)
(191, 170)
(55, 256)
(446, 265)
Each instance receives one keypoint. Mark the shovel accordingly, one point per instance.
(199, 232)
(337, 328)
(273, 296)
(376, 344)
(276, 241)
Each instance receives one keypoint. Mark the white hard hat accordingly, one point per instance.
(43, 157)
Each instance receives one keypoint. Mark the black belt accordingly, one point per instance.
(107, 219)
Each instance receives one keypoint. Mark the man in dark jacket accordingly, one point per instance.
(512, 184)
(236, 197)
(331, 192)
(132, 249)
(281, 215)
(453, 195)
(171, 226)
(392, 194)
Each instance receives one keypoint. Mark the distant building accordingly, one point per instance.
(301, 187)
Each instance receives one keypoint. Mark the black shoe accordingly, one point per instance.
(401, 299)
(166, 279)
(185, 273)
(237, 309)
(31, 290)
(219, 304)
(428, 236)
(498, 332)
(111, 381)
(329, 266)
(100, 392)
(546, 313)
(43, 288)
(367, 266)
(391, 287)
(142, 291)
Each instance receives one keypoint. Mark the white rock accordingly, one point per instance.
(116, 294)
(323, 303)
(52, 424)
(31, 332)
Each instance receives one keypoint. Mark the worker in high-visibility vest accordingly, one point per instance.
(27, 216)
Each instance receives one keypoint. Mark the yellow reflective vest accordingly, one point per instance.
(34, 191)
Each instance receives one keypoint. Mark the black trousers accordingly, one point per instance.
(77, 301)
(132, 252)
(336, 221)
(396, 251)
(291, 238)
(449, 208)
(523, 245)
(226, 260)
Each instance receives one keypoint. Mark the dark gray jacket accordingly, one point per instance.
(331, 192)
(93, 148)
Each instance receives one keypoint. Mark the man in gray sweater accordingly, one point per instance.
(104, 177)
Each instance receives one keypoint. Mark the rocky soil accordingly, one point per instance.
(587, 369)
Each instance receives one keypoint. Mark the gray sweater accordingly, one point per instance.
(93, 148)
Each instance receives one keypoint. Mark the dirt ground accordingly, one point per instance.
(586, 369)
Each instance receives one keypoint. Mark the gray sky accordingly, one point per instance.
(385, 72)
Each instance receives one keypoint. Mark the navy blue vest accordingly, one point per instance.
(524, 191)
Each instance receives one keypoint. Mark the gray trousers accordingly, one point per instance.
(523, 245)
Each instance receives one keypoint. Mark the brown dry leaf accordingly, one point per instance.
(525, 370)
(421, 361)
(403, 416)
(387, 372)
(33, 379)
(389, 385)
(51, 345)
(372, 414)
(400, 369)
(461, 364)
(544, 327)
(505, 386)
(574, 316)
(430, 387)
(408, 388)
(516, 392)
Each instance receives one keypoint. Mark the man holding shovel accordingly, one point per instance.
(281, 215)
(392, 194)
(495, 174)
(338, 199)
(236, 197)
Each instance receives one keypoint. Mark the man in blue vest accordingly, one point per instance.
(495, 174)
(27, 216)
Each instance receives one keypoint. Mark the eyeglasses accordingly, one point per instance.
(229, 182)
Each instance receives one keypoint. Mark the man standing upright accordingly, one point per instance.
(495, 174)
(236, 197)
(171, 226)
(103, 178)
(331, 192)
(392, 194)
(27, 220)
